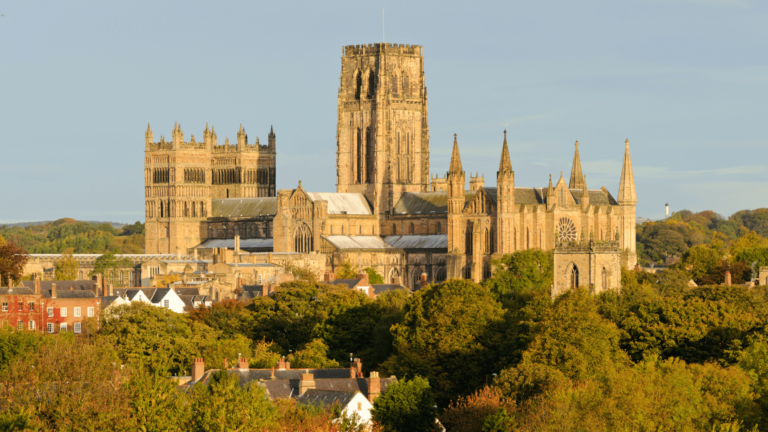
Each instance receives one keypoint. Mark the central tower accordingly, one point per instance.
(382, 137)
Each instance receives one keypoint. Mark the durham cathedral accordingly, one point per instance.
(388, 211)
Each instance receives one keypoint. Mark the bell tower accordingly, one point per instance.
(382, 136)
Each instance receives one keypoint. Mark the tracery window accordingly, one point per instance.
(358, 84)
(566, 230)
(393, 84)
(574, 277)
(302, 239)
(468, 239)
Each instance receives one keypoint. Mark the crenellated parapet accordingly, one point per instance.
(388, 48)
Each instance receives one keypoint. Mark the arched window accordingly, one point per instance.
(440, 275)
(487, 270)
(406, 85)
(527, 238)
(468, 239)
(574, 277)
(360, 156)
(358, 84)
(162, 210)
(439, 228)
(369, 155)
(215, 232)
(394, 229)
(393, 84)
(302, 239)
(605, 279)
(371, 84)
(411, 231)
(416, 277)
(468, 271)
(487, 241)
(493, 240)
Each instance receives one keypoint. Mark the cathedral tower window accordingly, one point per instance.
(574, 277)
(411, 231)
(527, 238)
(358, 84)
(439, 228)
(406, 85)
(394, 229)
(468, 239)
(394, 85)
(302, 239)
(487, 241)
(605, 278)
(369, 175)
(360, 156)
(493, 240)
(371, 84)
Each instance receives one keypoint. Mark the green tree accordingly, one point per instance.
(314, 355)
(136, 228)
(223, 405)
(67, 268)
(108, 265)
(156, 405)
(521, 274)
(229, 316)
(408, 405)
(373, 276)
(699, 261)
(292, 316)
(449, 335)
(750, 240)
(346, 271)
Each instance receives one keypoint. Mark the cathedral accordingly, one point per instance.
(388, 212)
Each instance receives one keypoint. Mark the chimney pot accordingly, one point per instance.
(53, 290)
(198, 368)
(307, 383)
(242, 364)
(374, 386)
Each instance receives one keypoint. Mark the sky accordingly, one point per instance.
(686, 81)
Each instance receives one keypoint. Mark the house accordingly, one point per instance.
(348, 387)
(160, 297)
(192, 298)
(362, 284)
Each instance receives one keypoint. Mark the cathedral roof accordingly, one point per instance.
(434, 241)
(244, 207)
(357, 242)
(343, 203)
(257, 243)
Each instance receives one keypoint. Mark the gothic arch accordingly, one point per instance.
(393, 273)
(358, 83)
(302, 239)
(487, 241)
(572, 275)
(394, 85)
(406, 84)
(440, 275)
(371, 84)
(416, 278)
(604, 278)
(468, 239)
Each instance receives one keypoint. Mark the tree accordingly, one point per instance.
(223, 405)
(136, 228)
(108, 266)
(156, 405)
(12, 262)
(407, 405)
(449, 335)
(229, 316)
(750, 240)
(468, 414)
(67, 268)
(314, 355)
(346, 271)
(373, 276)
(699, 261)
(170, 278)
(520, 274)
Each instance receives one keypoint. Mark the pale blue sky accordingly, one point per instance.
(685, 80)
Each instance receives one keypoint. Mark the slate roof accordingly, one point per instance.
(108, 300)
(326, 397)
(62, 285)
(343, 203)
(356, 242)
(596, 197)
(350, 283)
(434, 241)
(17, 291)
(189, 300)
(283, 389)
(194, 291)
(159, 295)
(131, 293)
(69, 294)
(526, 195)
(244, 207)
(249, 294)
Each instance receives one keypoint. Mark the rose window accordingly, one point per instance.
(566, 230)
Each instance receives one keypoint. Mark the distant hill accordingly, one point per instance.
(116, 225)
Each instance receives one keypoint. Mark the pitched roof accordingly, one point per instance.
(17, 290)
(69, 294)
(246, 244)
(326, 397)
(343, 203)
(348, 282)
(159, 295)
(193, 291)
(356, 242)
(433, 241)
(379, 289)
(63, 285)
(244, 207)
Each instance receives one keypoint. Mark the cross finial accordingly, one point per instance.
(577, 143)
(627, 141)
(561, 173)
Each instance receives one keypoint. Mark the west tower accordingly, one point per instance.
(382, 136)
(182, 178)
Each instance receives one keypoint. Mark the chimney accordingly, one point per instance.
(287, 365)
(272, 374)
(194, 254)
(727, 278)
(357, 364)
(423, 280)
(198, 368)
(374, 386)
(352, 373)
(307, 383)
(109, 289)
(242, 364)
(53, 290)
(37, 286)
(226, 364)
(281, 363)
(237, 245)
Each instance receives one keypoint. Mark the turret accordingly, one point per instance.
(178, 136)
(505, 192)
(627, 194)
(148, 137)
(271, 140)
(577, 177)
(551, 200)
(213, 136)
(456, 178)
(477, 181)
(207, 137)
(456, 238)
(241, 138)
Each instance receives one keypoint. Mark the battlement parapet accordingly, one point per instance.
(586, 246)
(389, 48)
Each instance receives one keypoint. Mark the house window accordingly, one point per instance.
(31, 325)
(31, 306)
(5, 306)
(50, 312)
(50, 327)
(21, 306)
(20, 325)
(77, 327)
(63, 327)
(90, 312)
(77, 312)
(166, 303)
(258, 279)
(63, 312)
(359, 406)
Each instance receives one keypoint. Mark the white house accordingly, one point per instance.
(354, 405)
(160, 297)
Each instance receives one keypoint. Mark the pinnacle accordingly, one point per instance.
(455, 166)
(627, 193)
(577, 177)
(505, 165)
